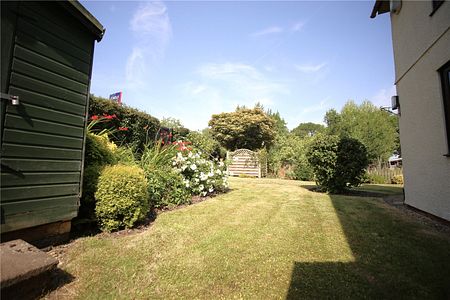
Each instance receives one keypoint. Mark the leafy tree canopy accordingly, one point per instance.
(203, 141)
(171, 123)
(244, 128)
(307, 129)
(179, 131)
(280, 124)
(376, 129)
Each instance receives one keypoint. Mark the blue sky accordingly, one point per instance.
(191, 59)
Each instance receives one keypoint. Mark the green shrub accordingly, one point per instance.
(87, 201)
(98, 150)
(204, 142)
(397, 179)
(125, 155)
(376, 179)
(289, 153)
(337, 163)
(202, 176)
(302, 171)
(90, 180)
(167, 188)
(352, 160)
(157, 156)
(122, 197)
(322, 156)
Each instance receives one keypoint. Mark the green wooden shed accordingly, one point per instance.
(47, 50)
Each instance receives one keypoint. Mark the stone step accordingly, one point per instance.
(25, 270)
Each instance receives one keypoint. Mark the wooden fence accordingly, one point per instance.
(246, 162)
(385, 172)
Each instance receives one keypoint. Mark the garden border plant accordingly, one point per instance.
(338, 163)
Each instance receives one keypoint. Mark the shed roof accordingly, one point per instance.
(380, 7)
(85, 17)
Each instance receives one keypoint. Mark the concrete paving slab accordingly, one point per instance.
(21, 261)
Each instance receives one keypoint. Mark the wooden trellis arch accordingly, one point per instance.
(246, 162)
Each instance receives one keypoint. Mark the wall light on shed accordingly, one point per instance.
(395, 103)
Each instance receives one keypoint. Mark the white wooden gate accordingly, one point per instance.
(245, 162)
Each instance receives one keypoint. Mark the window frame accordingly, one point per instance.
(444, 74)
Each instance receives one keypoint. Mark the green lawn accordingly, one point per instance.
(267, 239)
(387, 189)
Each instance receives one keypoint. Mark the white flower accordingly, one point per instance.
(203, 176)
(211, 189)
(218, 172)
(204, 194)
(221, 164)
(190, 155)
(201, 187)
(193, 167)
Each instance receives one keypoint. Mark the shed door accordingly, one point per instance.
(42, 140)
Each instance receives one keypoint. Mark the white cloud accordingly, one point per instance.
(310, 68)
(152, 30)
(297, 26)
(227, 69)
(152, 19)
(134, 68)
(268, 30)
(242, 79)
(218, 87)
(383, 96)
(321, 106)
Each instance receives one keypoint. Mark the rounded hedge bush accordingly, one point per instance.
(122, 197)
(322, 156)
(337, 163)
(98, 150)
(351, 164)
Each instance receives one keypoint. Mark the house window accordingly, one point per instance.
(445, 81)
(436, 4)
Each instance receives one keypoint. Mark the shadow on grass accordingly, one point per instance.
(393, 258)
(38, 286)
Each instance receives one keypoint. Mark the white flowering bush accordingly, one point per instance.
(201, 176)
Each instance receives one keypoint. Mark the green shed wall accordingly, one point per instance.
(50, 61)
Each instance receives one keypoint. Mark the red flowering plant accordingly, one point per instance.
(95, 120)
(182, 145)
(110, 130)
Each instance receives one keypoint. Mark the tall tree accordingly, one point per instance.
(307, 129)
(280, 124)
(333, 121)
(179, 131)
(375, 128)
(244, 128)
